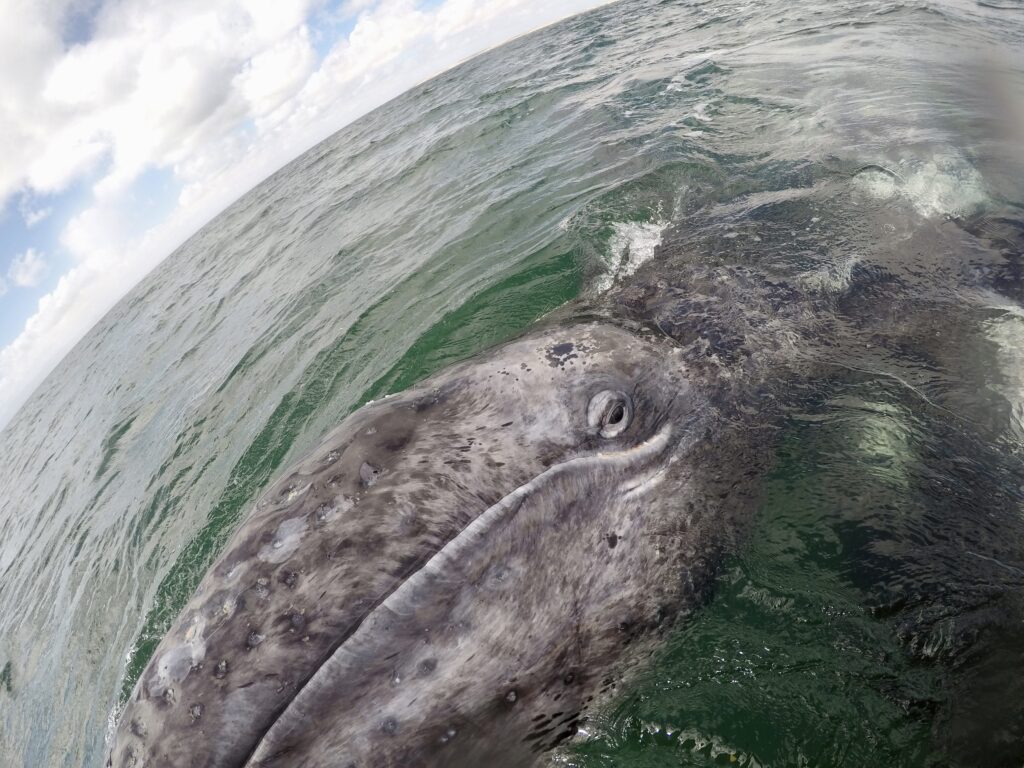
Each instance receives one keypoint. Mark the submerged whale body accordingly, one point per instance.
(460, 573)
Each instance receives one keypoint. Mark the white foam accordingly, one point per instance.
(833, 278)
(113, 717)
(1007, 333)
(632, 243)
(877, 184)
(944, 186)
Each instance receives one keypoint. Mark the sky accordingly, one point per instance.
(128, 124)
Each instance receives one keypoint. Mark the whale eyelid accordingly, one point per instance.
(609, 413)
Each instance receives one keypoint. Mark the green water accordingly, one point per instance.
(455, 217)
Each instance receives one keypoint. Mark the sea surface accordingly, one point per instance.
(456, 216)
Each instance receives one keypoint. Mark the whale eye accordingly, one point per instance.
(610, 413)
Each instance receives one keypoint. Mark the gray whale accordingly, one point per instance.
(457, 572)
(460, 572)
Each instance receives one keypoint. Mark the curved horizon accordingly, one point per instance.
(91, 208)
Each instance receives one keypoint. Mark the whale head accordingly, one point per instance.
(450, 568)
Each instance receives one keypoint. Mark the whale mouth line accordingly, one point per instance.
(400, 601)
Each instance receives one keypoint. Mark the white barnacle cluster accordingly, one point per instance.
(295, 491)
(325, 513)
(177, 661)
(286, 540)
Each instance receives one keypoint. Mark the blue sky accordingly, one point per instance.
(17, 237)
(129, 123)
(154, 195)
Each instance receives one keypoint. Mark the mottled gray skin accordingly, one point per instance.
(458, 572)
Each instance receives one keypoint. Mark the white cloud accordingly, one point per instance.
(155, 82)
(32, 215)
(221, 93)
(274, 75)
(27, 269)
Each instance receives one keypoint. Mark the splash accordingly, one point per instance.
(945, 186)
(631, 244)
(1006, 331)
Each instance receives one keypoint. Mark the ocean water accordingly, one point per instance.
(457, 215)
